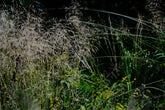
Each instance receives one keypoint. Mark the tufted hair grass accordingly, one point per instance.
(49, 63)
(35, 54)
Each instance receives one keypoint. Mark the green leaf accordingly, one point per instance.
(82, 107)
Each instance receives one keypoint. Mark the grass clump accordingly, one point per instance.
(71, 64)
(36, 61)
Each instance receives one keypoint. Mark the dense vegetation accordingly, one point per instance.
(89, 59)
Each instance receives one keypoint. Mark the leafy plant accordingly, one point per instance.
(76, 64)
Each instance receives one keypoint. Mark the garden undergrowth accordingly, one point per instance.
(75, 64)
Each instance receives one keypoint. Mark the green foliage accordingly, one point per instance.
(55, 68)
